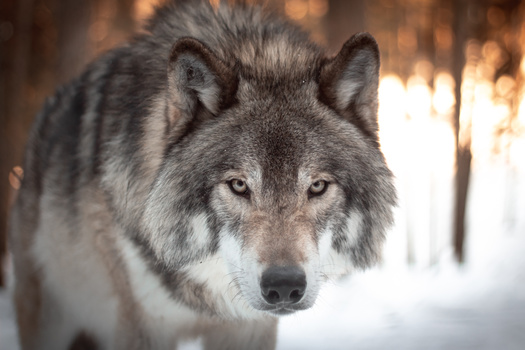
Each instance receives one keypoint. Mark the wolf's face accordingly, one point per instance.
(285, 182)
(278, 202)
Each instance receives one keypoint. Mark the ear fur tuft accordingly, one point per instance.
(196, 75)
(349, 81)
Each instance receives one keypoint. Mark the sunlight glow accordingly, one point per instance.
(98, 31)
(419, 148)
(444, 100)
(317, 8)
(391, 114)
(505, 86)
(521, 111)
(392, 97)
(420, 97)
(143, 9)
(296, 9)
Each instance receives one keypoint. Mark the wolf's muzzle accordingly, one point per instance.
(283, 285)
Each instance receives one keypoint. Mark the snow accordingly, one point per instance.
(8, 339)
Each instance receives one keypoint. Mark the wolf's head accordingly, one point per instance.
(273, 163)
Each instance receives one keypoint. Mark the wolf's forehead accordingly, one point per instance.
(277, 135)
(280, 150)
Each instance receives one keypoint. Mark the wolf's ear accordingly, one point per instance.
(348, 82)
(198, 78)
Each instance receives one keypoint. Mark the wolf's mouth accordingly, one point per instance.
(281, 309)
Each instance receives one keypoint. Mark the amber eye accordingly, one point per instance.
(239, 187)
(317, 188)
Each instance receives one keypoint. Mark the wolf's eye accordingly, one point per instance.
(239, 187)
(317, 188)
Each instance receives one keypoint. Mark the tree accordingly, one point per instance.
(463, 153)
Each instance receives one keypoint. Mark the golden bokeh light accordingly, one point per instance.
(506, 86)
(424, 69)
(143, 9)
(496, 16)
(15, 177)
(98, 31)
(407, 40)
(318, 8)
(444, 38)
(296, 9)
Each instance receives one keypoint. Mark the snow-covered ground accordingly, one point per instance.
(8, 339)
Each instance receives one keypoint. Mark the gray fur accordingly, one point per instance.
(140, 149)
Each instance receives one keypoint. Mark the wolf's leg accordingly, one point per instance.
(254, 335)
(41, 323)
(27, 300)
(37, 313)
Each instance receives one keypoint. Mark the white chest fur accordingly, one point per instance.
(166, 319)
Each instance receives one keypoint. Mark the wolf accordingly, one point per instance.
(198, 183)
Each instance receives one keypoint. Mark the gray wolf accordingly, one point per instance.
(200, 181)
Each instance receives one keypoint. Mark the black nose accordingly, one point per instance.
(283, 284)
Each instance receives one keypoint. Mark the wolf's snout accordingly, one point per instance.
(283, 284)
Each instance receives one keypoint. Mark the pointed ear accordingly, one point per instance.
(348, 82)
(198, 78)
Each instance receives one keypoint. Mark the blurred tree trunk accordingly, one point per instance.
(463, 153)
(45, 43)
(14, 53)
(29, 67)
(73, 19)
